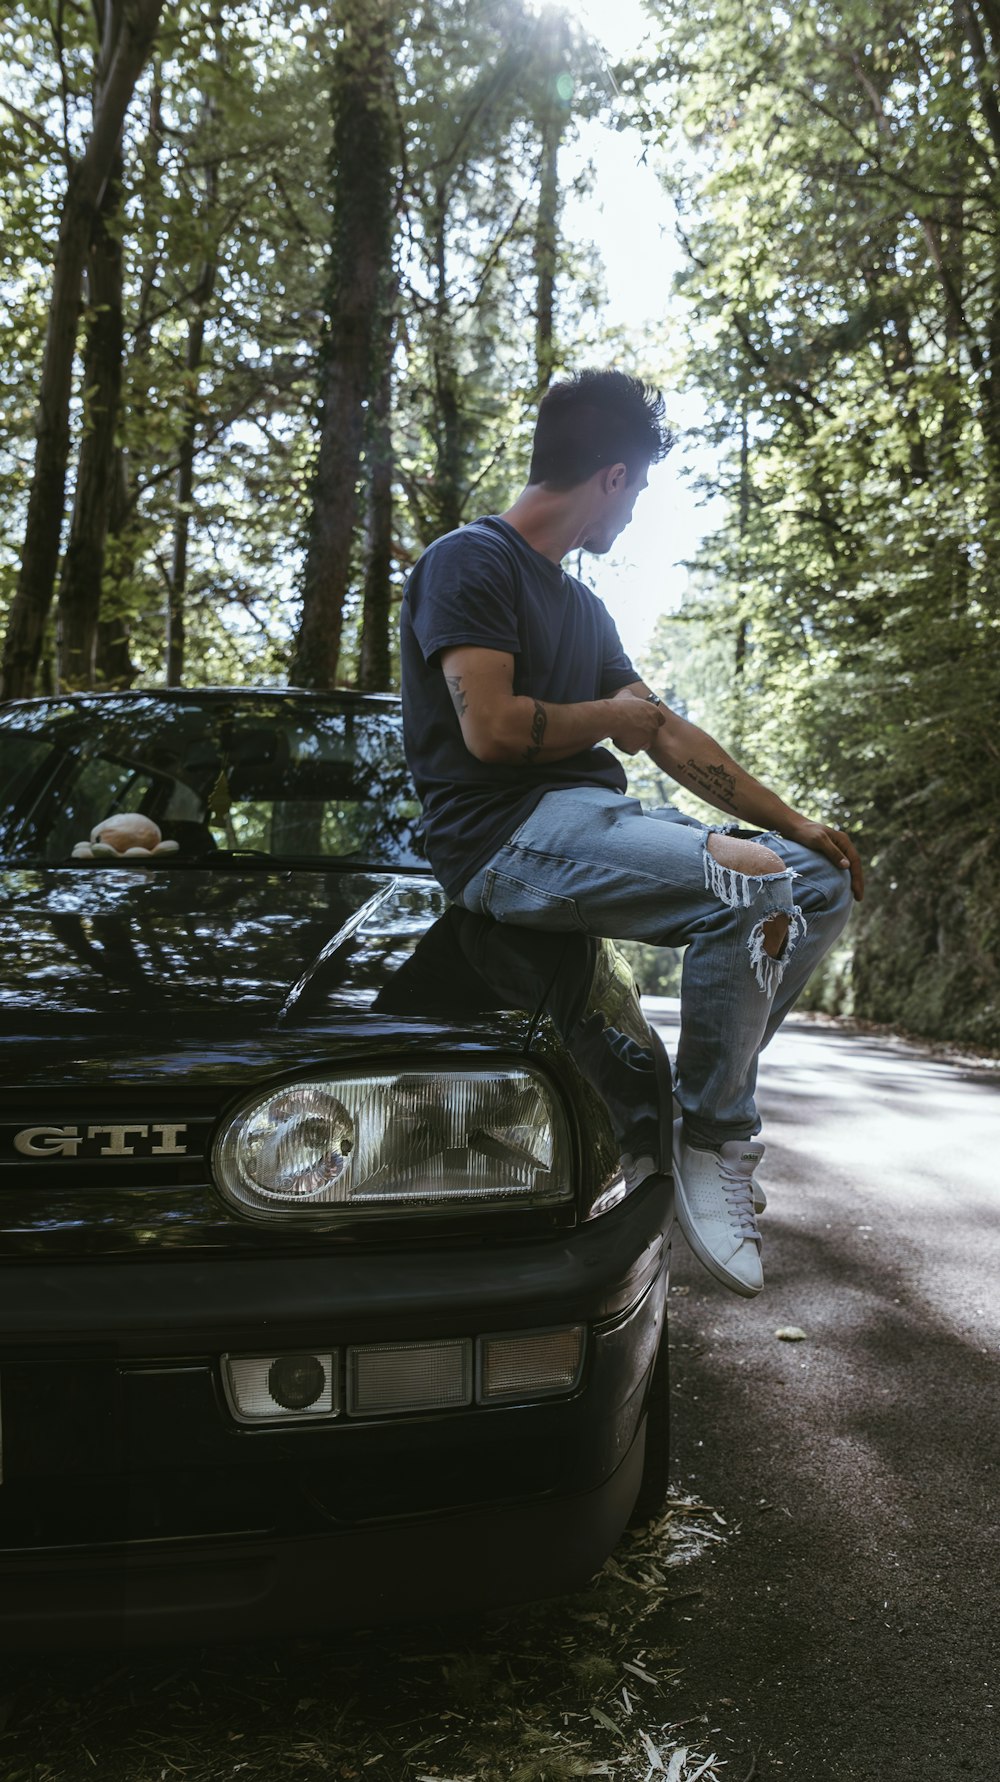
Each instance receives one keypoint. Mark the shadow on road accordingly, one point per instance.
(855, 1618)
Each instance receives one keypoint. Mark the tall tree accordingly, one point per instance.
(375, 651)
(191, 407)
(363, 163)
(83, 563)
(555, 84)
(114, 665)
(127, 32)
(479, 95)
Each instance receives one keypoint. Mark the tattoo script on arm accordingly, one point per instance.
(715, 781)
(538, 725)
(457, 692)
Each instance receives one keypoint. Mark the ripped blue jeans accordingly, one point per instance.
(592, 860)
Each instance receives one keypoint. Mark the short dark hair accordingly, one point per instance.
(593, 419)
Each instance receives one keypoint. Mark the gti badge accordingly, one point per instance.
(118, 1141)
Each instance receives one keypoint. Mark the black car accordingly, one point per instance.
(325, 1298)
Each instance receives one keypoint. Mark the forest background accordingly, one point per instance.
(280, 285)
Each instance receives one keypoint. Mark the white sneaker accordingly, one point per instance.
(759, 1197)
(715, 1210)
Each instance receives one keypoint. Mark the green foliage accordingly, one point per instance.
(242, 97)
(843, 283)
(227, 148)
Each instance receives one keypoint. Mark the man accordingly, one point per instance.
(513, 676)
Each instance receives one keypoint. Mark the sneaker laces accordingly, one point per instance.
(737, 1187)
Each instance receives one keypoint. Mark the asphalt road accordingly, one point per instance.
(849, 1627)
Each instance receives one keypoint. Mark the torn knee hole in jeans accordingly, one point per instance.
(767, 968)
(738, 890)
(776, 934)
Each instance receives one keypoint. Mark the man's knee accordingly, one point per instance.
(748, 857)
(776, 934)
(822, 886)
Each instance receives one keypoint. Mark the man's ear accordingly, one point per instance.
(615, 478)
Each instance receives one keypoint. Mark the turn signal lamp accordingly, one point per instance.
(533, 1365)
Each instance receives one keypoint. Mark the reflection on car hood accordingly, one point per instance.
(144, 994)
(263, 947)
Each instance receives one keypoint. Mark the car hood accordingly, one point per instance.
(139, 996)
(257, 947)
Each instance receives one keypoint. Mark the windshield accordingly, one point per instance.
(256, 777)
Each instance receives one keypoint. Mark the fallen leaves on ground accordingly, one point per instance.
(580, 1687)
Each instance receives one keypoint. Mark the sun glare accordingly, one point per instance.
(618, 25)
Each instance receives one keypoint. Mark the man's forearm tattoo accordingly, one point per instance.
(715, 781)
(538, 724)
(457, 692)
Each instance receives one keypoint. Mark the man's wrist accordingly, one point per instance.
(791, 824)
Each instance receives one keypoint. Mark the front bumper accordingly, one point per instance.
(134, 1506)
(412, 1570)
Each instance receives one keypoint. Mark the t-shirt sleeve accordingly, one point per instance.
(616, 669)
(461, 593)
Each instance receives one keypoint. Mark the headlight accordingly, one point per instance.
(395, 1139)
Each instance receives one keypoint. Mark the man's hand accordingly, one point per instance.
(837, 846)
(640, 721)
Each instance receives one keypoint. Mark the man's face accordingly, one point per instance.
(617, 498)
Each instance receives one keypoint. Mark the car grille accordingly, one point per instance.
(145, 1138)
(111, 1192)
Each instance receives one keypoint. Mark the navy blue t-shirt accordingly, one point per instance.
(484, 585)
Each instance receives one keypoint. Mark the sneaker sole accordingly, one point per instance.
(698, 1248)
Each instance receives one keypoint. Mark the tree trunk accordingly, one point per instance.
(362, 178)
(83, 565)
(742, 623)
(448, 491)
(131, 29)
(552, 124)
(375, 663)
(546, 251)
(984, 56)
(191, 409)
(113, 665)
(185, 464)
